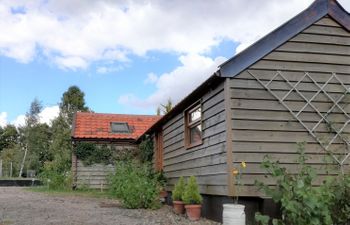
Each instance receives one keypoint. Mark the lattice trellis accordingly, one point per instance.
(330, 100)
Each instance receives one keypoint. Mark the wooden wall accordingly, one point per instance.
(261, 125)
(207, 161)
(95, 176)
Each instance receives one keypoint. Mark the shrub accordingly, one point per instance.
(135, 185)
(54, 178)
(90, 153)
(146, 150)
(301, 202)
(191, 194)
(179, 189)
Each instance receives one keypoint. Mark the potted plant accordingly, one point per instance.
(161, 179)
(177, 196)
(233, 214)
(192, 199)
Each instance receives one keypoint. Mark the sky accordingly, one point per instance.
(127, 56)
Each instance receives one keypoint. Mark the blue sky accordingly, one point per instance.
(126, 56)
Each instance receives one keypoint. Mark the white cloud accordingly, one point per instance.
(19, 121)
(108, 69)
(48, 114)
(3, 119)
(178, 83)
(151, 78)
(74, 33)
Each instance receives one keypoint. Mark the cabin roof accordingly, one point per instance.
(88, 125)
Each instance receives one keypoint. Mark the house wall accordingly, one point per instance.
(95, 176)
(207, 161)
(261, 125)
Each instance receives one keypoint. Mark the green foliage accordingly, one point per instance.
(8, 137)
(135, 185)
(11, 155)
(161, 178)
(191, 194)
(339, 190)
(146, 150)
(72, 101)
(301, 202)
(54, 178)
(179, 189)
(90, 153)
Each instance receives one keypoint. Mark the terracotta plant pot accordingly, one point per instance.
(193, 212)
(179, 207)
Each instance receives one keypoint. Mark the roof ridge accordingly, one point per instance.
(119, 114)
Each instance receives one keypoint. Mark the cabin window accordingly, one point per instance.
(117, 127)
(193, 126)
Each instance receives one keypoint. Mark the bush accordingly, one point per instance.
(179, 189)
(90, 153)
(191, 194)
(135, 185)
(146, 150)
(54, 178)
(301, 202)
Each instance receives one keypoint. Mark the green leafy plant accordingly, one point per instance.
(54, 178)
(161, 178)
(90, 153)
(135, 185)
(146, 150)
(179, 189)
(301, 202)
(191, 194)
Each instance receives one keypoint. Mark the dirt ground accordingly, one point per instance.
(23, 207)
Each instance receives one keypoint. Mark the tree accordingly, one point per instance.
(165, 108)
(32, 116)
(72, 101)
(8, 137)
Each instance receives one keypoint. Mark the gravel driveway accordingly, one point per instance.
(22, 207)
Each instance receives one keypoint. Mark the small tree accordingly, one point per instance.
(179, 189)
(191, 194)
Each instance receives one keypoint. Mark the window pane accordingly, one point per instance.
(195, 115)
(120, 127)
(196, 134)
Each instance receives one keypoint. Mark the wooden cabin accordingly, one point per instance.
(118, 131)
(291, 86)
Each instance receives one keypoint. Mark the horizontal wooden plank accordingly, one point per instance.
(309, 57)
(212, 102)
(282, 126)
(328, 22)
(212, 92)
(216, 148)
(93, 173)
(219, 107)
(207, 189)
(212, 121)
(293, 76)
(274, 105)
(217, 179)
(325, 39)
(188, 155)
(241, 93)
(277, 85)
(171, 121)
(179, 137)
(174, 147)
(300, 66)
(286, 158)
(326, 30)
(208, 170)
(168, 127)
(271, 115)
(315, 48)
(198, 162)
(278, 147)
(174, 128)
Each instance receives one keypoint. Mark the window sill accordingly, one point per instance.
(194, 145)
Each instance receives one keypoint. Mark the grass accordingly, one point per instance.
(79, 192)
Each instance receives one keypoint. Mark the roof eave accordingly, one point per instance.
(273, 40)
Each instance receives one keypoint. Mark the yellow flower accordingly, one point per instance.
(234, 171)
(243, 164)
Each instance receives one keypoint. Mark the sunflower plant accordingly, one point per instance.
(237, 173)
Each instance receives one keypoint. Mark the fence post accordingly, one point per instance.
(0, 167)
(11, 169)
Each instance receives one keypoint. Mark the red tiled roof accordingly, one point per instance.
(98, 125)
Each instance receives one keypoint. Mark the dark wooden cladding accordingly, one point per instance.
(261, 125)
(206, 161)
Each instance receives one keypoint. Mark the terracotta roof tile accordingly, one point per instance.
(98, 125)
